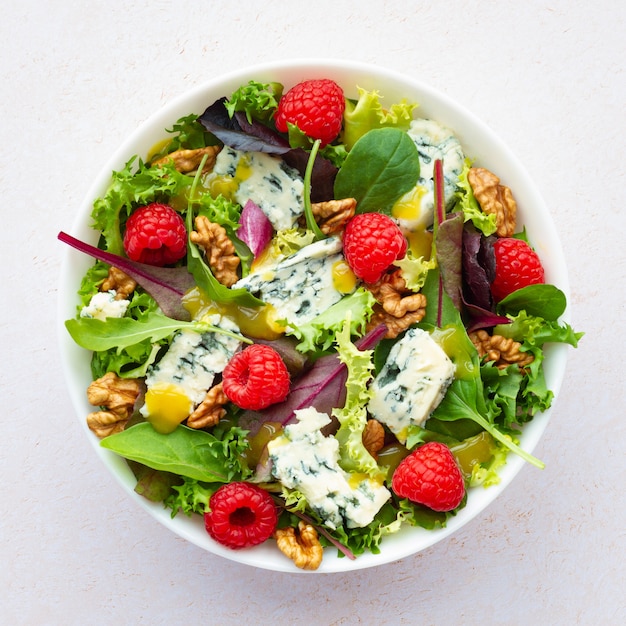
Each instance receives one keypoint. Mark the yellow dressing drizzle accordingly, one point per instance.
(451, 342)
(344, 279)
(409, 206)
(257, 322)
(167, 406)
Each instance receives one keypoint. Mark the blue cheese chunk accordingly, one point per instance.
(304, 459)
(433, 141)
(266, 180)
(300, 286)
(411, 383)
(103, 304)
(193, 359)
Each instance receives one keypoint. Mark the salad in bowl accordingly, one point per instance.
(314, 316)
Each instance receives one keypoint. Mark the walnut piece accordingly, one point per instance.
(302, 546)
(332, 215)
(186, 161)
(398, 307)
(494, 199)
(118, 396)
(123, 284)
(503, 350)
(210, 410)
(373, 437)
(218, 249)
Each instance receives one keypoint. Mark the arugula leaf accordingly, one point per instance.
(122, 332)
(381, 167)
(188, 452)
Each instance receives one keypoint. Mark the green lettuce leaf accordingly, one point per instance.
(319, 333)
(467, 203)
(187, 452)
(122, 332)
(353, 416)
(135, 185)
(367, 113)
(257, 100)
(381, 167)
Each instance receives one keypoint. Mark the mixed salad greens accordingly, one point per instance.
(333, 355)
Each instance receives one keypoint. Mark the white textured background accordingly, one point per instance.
(77, 77)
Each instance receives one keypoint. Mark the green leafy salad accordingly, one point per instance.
(425, 352)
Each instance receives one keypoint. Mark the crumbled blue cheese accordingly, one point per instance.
(304, 459)
(300, 286)
(433, 141)
(103, 304)
(266, 180)
(411, 383)
(193, 359)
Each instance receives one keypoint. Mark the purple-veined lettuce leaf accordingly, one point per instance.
(240, 134)
(167, 285)
(449, 256)
(323, 387)
(255, 229)
(478, 268)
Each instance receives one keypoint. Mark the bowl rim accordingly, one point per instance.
(392, 85)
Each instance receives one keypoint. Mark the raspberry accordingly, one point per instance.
(155, 235)
(517, 266)
(371, 243)
(255, 378)
(315, 106)
(430, 476)
(240, 515)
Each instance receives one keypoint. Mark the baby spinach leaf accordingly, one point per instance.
(382, 166)
(186, 451)
(545, 301)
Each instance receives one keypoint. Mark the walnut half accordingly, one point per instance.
(218, 249)
(333, 215)
(398, 307)
(210, 410)
(494, 199)
(186, 161)
(302, 546)
(502, 350)
(118, 396)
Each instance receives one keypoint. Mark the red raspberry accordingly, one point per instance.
(315, 106)
(371, 243)
(517, 266)
(255, 378)
(155, 235)
(241, 515)
(430, 476)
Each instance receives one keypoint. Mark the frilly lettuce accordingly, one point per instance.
(415, 270)
(468, 204)
(368, 113)
(320, 332)
(353, 416)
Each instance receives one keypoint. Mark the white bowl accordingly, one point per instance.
(479, 142)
